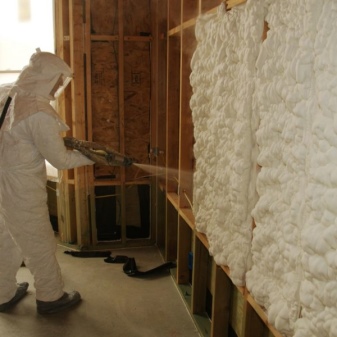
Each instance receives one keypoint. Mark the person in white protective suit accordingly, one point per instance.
(30, 133)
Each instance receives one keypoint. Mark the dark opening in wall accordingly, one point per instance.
(107, 213)
(138, 212)
(109, 220)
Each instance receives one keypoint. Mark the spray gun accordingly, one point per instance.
(98, 153)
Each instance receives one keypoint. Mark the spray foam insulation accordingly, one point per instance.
(265, 123)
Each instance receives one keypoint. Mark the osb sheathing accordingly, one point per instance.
(107, 117)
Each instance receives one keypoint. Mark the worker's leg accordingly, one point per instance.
(10, 262)
(37, 242)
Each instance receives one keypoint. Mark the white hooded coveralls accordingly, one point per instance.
(29, 135)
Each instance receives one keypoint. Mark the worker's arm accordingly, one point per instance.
(47, 138)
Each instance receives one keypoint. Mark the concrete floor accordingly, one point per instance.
(113, 305)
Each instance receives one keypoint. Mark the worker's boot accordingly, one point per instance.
(65, 302)
(20, 293)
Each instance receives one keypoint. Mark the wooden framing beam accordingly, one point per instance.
(77, 53)
(65, 192)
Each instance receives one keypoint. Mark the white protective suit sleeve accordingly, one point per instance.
(47, 139)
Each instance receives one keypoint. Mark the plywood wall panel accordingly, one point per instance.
(174, 10)
(190, 9)
(209, 5)
(137, 18)
(137, 84)
(104, 17)
(104, 88)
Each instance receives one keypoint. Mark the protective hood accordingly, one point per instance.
(40, 81)
(45, 75)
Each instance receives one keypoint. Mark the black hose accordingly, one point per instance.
(130, 268)
(88, 253)
(4, 110)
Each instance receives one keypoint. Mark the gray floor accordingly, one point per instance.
(113, 304)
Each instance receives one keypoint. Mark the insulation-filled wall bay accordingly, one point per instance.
(263, 110)
(211, 301)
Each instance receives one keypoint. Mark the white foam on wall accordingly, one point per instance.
(296, 101)
(290, 105)
(282, 94)
(223, 67)
(318, 291)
